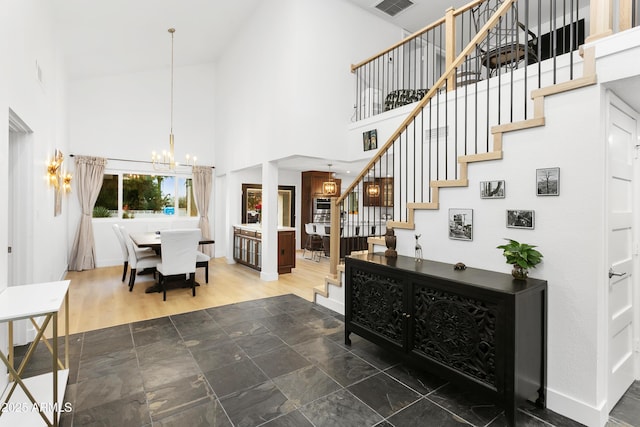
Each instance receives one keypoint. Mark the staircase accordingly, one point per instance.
(422, 165)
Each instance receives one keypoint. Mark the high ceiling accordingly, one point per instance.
(102, 37)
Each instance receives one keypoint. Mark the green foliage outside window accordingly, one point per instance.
(143, 192)
(145, 196)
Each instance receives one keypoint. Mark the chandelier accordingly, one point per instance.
(330, 188)
(166, 160)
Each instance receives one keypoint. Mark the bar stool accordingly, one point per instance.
(313, 243)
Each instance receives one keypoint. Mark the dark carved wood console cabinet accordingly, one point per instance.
(480, 328)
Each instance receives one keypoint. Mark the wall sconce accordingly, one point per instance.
(53, 172)
(373, 190)
(66, 182)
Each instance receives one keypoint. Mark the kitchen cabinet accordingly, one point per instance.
(484, 330)
(286, 251)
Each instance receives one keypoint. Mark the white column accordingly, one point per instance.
(269, 221)
(233, 211)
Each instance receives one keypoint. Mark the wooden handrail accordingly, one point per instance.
(400, 43)
(451, 69)
(418, 33)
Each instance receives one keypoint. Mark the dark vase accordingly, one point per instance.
(519, 272)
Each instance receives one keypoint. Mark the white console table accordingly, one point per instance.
(35, 401)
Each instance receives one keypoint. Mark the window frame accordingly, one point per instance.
(120, 172)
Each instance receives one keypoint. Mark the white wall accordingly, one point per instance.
(284, 85)
(29, 37)
(128, 116)
(42, 106)
(283, 88)
(566, 231)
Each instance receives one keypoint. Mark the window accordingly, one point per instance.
(132, 196)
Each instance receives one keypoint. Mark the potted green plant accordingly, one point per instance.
(522, 256)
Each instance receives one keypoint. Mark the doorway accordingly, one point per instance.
(621, 243)
(19, 215)
(252, 204)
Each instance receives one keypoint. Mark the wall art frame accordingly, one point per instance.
(461, 224)
(370, 140)
(492, 189)
(520, 218)
(548, 181)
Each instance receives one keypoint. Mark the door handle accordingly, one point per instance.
(613, 273)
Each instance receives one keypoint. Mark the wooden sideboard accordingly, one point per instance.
(482, 329)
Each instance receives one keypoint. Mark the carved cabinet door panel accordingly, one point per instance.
(376, 306)
(456, 330)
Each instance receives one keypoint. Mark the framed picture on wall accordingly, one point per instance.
(492, 189)
(521, 219)
(548, 182)
(370, 140)
(461, 224)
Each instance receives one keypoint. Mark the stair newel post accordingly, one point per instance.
(601, 12)
(450, 45)
(334, 238)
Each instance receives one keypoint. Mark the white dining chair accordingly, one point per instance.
(140, 252)
(202, 261)
(145, 261)
(179, 253)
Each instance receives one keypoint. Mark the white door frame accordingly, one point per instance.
(612, 101)
(20, 214)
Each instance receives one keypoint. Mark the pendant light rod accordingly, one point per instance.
(166, 161)
(172, 31)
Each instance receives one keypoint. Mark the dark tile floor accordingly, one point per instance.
(273, 362)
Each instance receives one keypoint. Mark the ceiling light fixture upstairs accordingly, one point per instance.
(166, 161)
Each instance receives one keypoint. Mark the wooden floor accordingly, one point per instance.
(98, 298)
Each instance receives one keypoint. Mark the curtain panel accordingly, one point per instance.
(89, 177)
(202, 184)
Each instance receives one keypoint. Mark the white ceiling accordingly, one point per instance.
(101, 37)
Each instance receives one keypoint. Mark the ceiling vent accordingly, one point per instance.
(393, 7)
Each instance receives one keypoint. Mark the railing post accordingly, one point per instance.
(450, 44)
(334, 239)
(601, 13)
(625, 14)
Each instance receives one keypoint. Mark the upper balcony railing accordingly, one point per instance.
(403, 73)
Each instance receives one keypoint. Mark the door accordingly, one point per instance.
(19, 215)
(622, 247)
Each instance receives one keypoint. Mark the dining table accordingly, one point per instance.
(152, 239)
